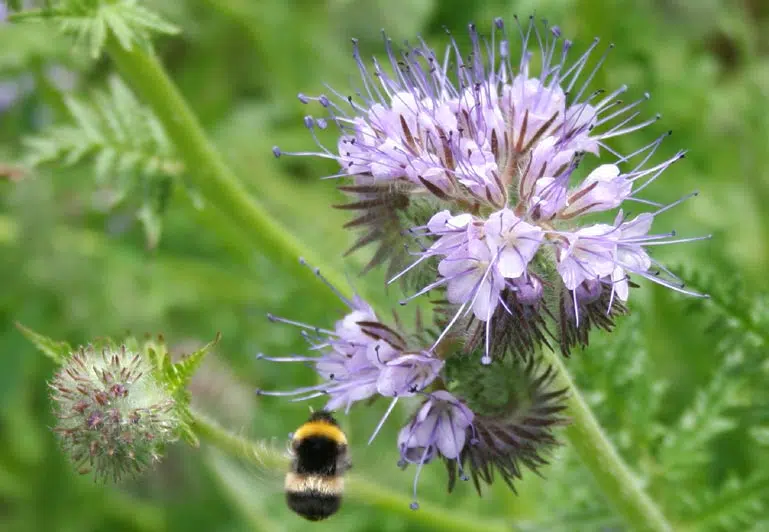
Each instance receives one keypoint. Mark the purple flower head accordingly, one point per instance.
(587, 253)
(3, 12)
(602, 190)
(473, 160)
(439, 428)
(359, 358)
(463, 128)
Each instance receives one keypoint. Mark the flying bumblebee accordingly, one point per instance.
(315, 483)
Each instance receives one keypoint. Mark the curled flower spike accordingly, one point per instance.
(515, 433)
(475, 175)
(113, 416)
(463, 169)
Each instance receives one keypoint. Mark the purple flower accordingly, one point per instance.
(631, 256)
(473, 278)
(586, 254)
(471, 158)
(439, 428)
(515, 241)
(3, 12)
(359, 359)
(451, 231)
(464, 128)
(405, 375)
(602, 190)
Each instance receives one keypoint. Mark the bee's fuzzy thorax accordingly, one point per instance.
(320, 428)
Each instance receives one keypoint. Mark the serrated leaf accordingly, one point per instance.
(24, 45)
(57, 351)
(130, 152)
(178, 375)
(91, 22)
(175, 377)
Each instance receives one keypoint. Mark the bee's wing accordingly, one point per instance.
(344, 463)
(254, 492)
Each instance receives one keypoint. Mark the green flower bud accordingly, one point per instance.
(114, 417)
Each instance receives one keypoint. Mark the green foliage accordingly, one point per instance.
(680, 386)
(675, 455)
(59, 352)
(92, 22)
(22, 46)
(132, 157)
(176, 377)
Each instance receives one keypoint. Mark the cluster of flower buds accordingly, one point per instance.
(468, 173)
(114, 417)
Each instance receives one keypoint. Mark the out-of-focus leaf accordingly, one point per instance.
(57, 351)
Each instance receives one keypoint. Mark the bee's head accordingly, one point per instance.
(323, 415)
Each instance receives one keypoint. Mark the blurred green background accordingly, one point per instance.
(72, 271)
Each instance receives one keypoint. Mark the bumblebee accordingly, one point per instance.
(315, 483)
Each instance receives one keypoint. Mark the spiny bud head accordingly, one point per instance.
(114, 417)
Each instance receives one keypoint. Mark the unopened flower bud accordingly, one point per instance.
(114, 417)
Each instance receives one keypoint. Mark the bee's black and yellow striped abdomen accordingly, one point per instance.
(315, 485)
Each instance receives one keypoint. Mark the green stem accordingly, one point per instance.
(614, 477)
(208, 173)
(237, 446)
(357, 488)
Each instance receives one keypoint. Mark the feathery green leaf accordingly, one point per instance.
(59, 352)
(92, 22)
(130, 152)
(178, 375)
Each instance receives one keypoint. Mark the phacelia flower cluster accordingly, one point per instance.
(488, 181)
(481, 163)
(363, 358)
(113, 416)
